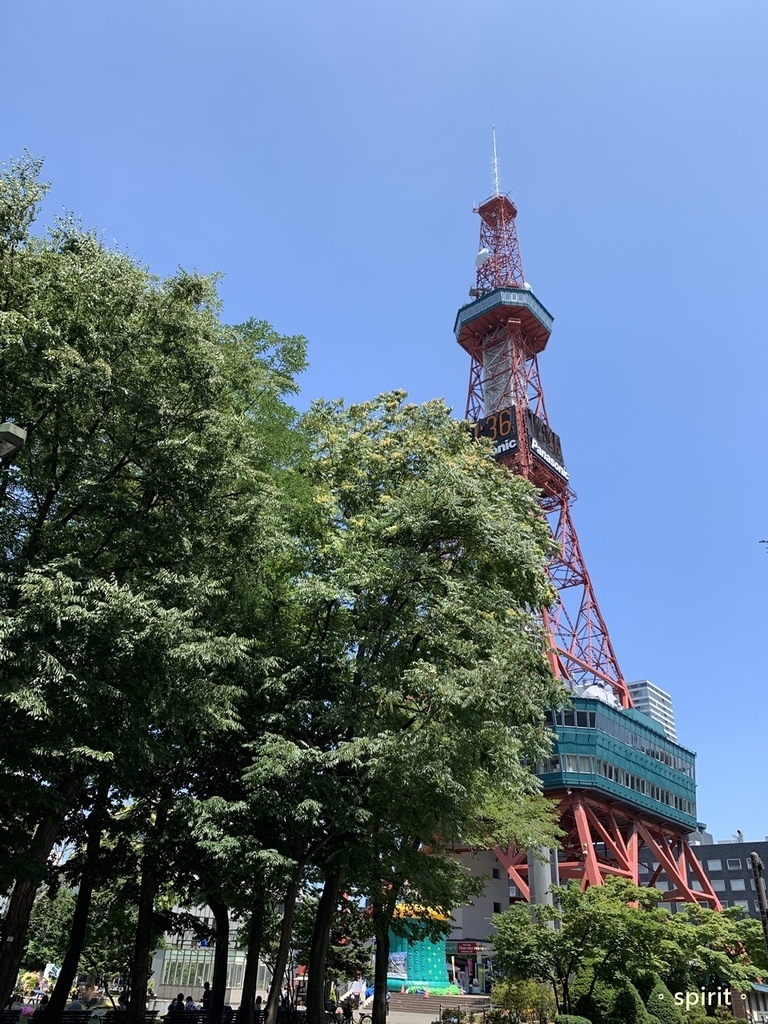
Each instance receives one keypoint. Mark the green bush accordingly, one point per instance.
(660, 1003)
(571, 1018)
(525, 1000)
(496, 1016)
(723, 1013)
(628, 1007)
(595, 1005)
(696, 1015)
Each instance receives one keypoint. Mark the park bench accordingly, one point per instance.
(67, 1017)
(187, 1017)
(76, 1016)
(117, 1016)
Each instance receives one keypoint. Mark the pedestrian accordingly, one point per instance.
(357, 991)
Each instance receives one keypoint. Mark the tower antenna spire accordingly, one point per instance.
(495, 165)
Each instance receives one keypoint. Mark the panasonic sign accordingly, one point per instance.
(545, 444)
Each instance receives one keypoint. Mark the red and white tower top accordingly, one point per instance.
(503, 330)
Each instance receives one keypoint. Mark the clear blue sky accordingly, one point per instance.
(325, 157)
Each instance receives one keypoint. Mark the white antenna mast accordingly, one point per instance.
(495, 165)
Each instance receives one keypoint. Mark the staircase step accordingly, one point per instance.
(414, 1003)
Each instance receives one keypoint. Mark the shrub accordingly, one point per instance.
(571, 1018)
(525, 1000)
(496, 1016)
(595, 1005)
(661, 1004)
(628, 1007)
(696, 1015)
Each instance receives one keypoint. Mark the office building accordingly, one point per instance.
(656, 703)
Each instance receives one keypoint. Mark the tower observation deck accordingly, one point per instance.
(619, 782)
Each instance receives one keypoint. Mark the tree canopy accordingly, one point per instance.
(614, 933)
(245, 653)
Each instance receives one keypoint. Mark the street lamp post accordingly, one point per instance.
(757, 871)
(12, 440)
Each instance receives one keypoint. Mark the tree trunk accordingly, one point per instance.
(251, 976)
(220, 958)
(94, 830)
(318, 950)
(13, 936)
(281, 960)
(381, 921)
(566, 995)
(144, 943)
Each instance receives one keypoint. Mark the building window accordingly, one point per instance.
(496, 873)
(738, 884)
(718, 884)
(497, 908)
(714, 865)
(733, 864)
(744, 904)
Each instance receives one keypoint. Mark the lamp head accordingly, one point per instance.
(12, 439)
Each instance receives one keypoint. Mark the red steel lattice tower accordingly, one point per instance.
(503, 330)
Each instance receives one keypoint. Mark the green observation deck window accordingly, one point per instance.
(623, 754)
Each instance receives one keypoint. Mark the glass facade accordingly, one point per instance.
(185, 969)
(601, 747)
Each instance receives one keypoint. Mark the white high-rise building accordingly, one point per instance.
(656, 703)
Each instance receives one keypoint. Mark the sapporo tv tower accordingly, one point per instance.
(620, 783)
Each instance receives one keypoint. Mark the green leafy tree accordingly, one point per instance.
(713, 950)
(152, 435)
(612, 933)
(415, 628)
(49, 927)
(601, 936)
